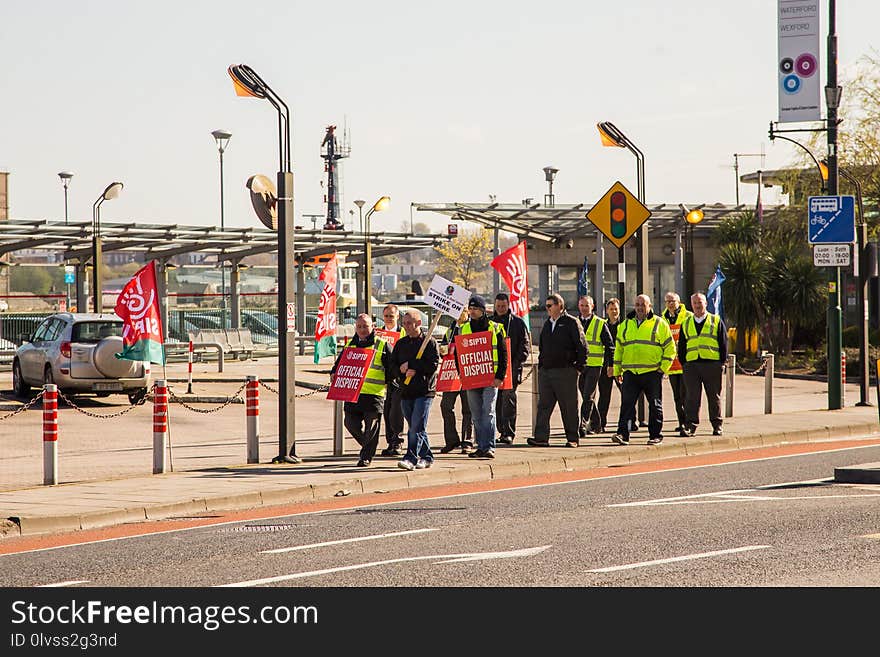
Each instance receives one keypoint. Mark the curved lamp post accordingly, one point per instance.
(111, 192)
(65, 177)
(248, 83)
(378, 206)
(221, 138)
(691, 218)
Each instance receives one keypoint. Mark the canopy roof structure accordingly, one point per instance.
(163, 241)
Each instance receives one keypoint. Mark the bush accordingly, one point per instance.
(851, 336)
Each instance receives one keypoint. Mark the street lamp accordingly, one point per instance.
(611, 136)
(112, 191)
(378, 206)
(821, 166)
(549, 174)
(221, 138)
(692, 218)
(65, 180)
(247, 83)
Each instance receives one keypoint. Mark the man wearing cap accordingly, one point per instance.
(520, 348)
(482, 400)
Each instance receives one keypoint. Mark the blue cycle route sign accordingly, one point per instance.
(832, 220)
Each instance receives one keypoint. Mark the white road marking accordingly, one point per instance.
(72, 582)
(349, 540)
(444, 558)
(702, 555)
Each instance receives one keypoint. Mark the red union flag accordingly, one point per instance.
(326, 324)
(138, 306)
(513, 268)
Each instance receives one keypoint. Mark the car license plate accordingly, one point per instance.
(111, 386)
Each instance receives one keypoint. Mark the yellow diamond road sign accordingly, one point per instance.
(618, 214)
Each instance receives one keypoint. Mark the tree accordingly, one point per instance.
(745, 286)
(465, 259)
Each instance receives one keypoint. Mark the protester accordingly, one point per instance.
(561, 359)
(606, 378)
(702, 348)
(362, 417)
(675, 315)
(418, 393)
(643, 354)
(600, 355)
(447, 401)
(520, 349)
(482, 400)
(393, 412)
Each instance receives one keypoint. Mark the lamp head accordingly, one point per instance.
(693, 217)
(112, 191)
(65, 177)
(610, 135)
(221, 137)
(360, 202)
(550, 173)
(245, 81)
(381, 204)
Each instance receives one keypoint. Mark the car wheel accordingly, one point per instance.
(136, 396)
(19, 386)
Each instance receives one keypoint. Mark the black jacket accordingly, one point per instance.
(520, 339)
(563, 347)
(366, 403)
(424, 383)
(478, 326)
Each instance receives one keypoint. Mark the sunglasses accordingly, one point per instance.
(550, 305)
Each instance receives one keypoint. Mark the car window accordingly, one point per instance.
(94, 332)
(42, 329)
(54, 329)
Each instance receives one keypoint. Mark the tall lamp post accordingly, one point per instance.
(692, 218)
(378, 206)
(65, 180)
(247, 83)
(221, 138)
(112, 191)
(366, 289)
(611, 136)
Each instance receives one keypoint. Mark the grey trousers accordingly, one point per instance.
(559, 385)
(699, 376)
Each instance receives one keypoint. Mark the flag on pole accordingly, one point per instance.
(325, 329)
(584, 280)
(759, 208)
(138, 306)
(713, 294)
(512, 266)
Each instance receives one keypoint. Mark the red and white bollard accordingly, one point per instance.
(252, 407)
(189, 369)
(843, 378)
(160, 426)
(50, 434)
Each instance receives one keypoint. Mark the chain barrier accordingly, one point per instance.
(323, 388)
(755, 372)
(140, 402)
(230, 400)
(23, 407)
(268, 387)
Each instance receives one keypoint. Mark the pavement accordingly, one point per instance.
(113, 500)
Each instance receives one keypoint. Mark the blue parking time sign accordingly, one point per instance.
(832, 220)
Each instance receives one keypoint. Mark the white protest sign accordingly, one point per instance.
(447, 297)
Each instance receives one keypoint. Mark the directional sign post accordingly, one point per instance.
(618, 215)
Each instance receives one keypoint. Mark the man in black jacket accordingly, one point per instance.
(417, 377)
(362, 416)
(562, 357)
(520, 349)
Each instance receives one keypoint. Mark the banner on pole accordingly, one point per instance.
(325, 328)
(797, 63)
(138, 306)
(447, 297)
(350, 374)
(513, 267)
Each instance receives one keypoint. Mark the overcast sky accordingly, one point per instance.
(451, 101)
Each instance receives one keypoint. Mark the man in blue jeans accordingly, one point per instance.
(482, 400)
(417, 377)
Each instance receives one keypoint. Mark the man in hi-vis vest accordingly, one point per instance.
(675, 314)
(600, 355)
(702, 349)
(362, 416)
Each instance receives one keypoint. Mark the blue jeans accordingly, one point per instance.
(482, 403)
(416, 413)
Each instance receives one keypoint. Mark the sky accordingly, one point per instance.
(444, 102)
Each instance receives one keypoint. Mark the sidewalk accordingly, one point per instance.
(91, 504)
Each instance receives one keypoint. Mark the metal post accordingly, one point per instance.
(286, 346)
(599, 285)
(621, 279)
(301, 306)
(50, 434)
(252, 402)
(81, 294)
(496, 250)
(160, 426)
(728, 392)
(768, 384)
(679, 268)
(234, 278)
(189, 369)
(842, 379)
(97, 257)
(338, 443)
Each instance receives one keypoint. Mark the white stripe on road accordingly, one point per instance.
(350, 540)
(72, 582)
(475, 556)
(702, 555)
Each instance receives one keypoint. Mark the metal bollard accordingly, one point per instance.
(728, 394)
(189, 369)
(50, 434)
(252, 406)
(534, 396)
(338, 445)
(842, 378)
(160, 426)
(768, 384)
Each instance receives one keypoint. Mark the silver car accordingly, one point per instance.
(76, 351)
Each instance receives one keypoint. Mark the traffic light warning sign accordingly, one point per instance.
(618, 214)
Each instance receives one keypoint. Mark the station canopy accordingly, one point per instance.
(563, 222)
(163, 241)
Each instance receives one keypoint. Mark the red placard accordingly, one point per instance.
(391, 337)
(447, 379)
(350, 374)
(508, 378)
(476, 367)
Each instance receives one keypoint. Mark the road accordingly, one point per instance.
(777, 521)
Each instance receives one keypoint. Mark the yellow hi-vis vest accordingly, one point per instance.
(675, 326)
(593, 335)
(497, 331)
(705, 344)
(645, 348)
(374, 384)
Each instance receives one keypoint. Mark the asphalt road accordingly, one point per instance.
(773, 522)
